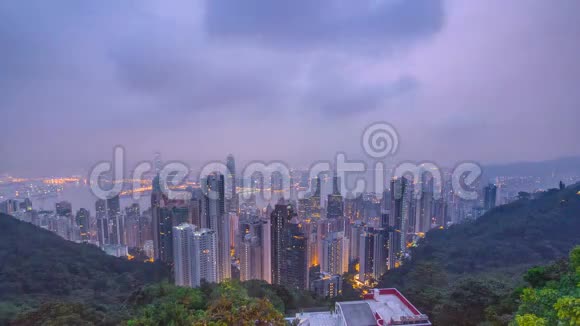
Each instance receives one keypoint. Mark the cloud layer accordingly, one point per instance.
(295, 81)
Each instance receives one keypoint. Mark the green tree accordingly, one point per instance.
(530, 320)
(568, 309)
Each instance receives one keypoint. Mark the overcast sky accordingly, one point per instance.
(490, 81)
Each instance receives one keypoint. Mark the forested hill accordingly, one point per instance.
(467, 273)
(36, 266)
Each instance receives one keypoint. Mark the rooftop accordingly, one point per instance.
(379, 307)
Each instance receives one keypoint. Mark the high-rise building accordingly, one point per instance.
(294, 269)
(423, 208)
(304, 208)
(214, 217)
(366, 256)
(267, 251)
(250, 253)
(278, 221)
(490, 197)
(334, 250)
(162, 224)
(398, 219)
(183, 254)
(194, 255)
(233, 202)
(83, 222)
(335, 205)
(102, 222)
(315, 198)
(380, 252)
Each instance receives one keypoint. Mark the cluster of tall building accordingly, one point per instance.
(302, 243)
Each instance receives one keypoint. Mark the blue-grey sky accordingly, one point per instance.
(490, 81)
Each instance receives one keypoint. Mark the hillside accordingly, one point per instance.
(469, 273)
(37, 266)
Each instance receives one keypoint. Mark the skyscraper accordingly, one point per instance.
(82, 220)
(334, 258)
(424, 204)
(295, 265)
(162, 224)
(335, 206)
(214, 217)
(490, 197)
(398, 219)
(102, 222)
(231, 178)
(183, 254)
(315, 198)
(194, 255)
(278, 220)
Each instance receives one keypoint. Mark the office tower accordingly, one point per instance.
(183, 254)
(366, 256)
(132, 228)
(309, 228)
(380, 252)
(304, 208)
(335, 208)
(113, 206)
(233, 202)
(423, 205)
(278, 221)
(118, 229)
(398, 219)
(294, 271)
(251, 253)
(102, 222)
(162, 224)
(386, 200)
(267, 250)
(145, 227)
(82, 220)
(490, 197)
(335, 205)
(356, 229)
(132, 231)
(350, 208)
(315, 198)
(234, 227)
(214, 218)
(373, 253)
(440, 214)
(327, 285)
(334, 250)
(194, 255)
(195, 207)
